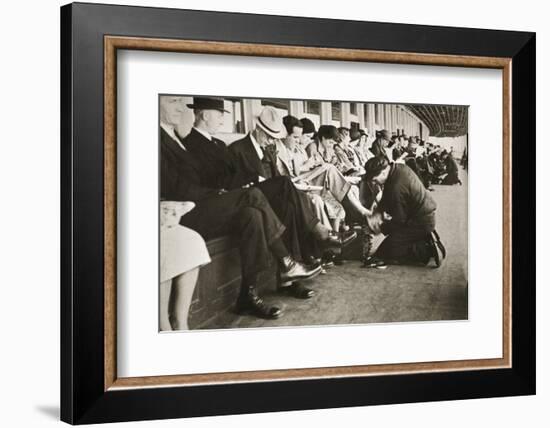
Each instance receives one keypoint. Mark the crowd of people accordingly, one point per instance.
(292, 193)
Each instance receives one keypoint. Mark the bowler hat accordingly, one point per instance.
(271, 123)
(207, 103)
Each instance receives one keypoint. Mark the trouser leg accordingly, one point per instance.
(352, 214)
(247, 215)
(273, 227)
(295, 210)
(367, 238)
(406, 244)
(320, 211)
(253, 246)
(336, 182)
(328, 176)
(287, 201)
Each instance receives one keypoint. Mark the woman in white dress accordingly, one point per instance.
(182, 253)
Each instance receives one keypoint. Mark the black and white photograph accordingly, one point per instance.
(284, 213)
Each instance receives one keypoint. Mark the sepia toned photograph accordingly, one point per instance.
(292, 213)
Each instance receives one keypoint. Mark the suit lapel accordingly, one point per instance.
(252, 157)
(284, 155)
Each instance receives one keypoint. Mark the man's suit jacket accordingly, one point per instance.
(215, 214)
(248, 161)
(179, 173)
(217, 165)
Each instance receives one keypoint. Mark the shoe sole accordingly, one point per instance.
(298, 278)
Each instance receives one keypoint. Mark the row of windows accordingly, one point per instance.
(311, 110)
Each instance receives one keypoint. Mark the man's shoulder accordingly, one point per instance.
(401, 168)
(403, 172)
(240, 144)
(192, 136)
(164, 136)
(168, 145)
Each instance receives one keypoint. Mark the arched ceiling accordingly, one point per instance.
(442, 120)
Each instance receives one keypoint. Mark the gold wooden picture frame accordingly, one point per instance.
(114, 43)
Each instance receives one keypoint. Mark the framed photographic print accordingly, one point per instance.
(265, 213)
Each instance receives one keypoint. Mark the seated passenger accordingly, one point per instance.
(294, 161)
(182, 253)
(379, 145)
(331, 177)
(358, 142)
(346, 155)
(244, 212)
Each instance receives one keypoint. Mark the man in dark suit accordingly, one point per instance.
(243, 211)
(451, 168)
(220, 167)
(412, 210)
(256, 153)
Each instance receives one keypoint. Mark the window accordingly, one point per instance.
(312, 107)
(278, 104)
(234, 120)
(353, 108)
(337, 112)
(282, 106)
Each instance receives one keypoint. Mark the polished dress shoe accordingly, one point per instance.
(250, 303)
(292, 270)
(439, 244)
(297, 290)
(347, 236)
(340, 239)
(313, 262)
(437, 250)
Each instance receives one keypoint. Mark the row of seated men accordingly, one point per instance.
(285, 190)
(432, 163)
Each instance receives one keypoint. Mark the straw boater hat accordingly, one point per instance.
(271, 123)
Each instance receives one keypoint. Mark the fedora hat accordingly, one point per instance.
(385, 134)
(206, 103)
(271, 123)
(355, 134)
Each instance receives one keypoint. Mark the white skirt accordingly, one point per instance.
(181, 249)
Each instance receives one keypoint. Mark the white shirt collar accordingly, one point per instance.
(204, 133)
(172, 133)
(258, 148)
